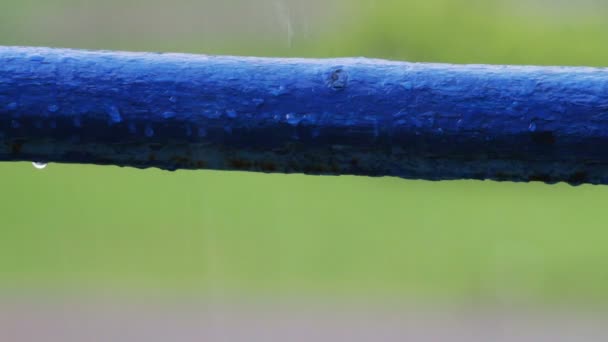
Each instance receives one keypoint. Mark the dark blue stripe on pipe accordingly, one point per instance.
(318, 116)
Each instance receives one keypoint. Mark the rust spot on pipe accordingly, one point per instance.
(16, 146)
(240, 164)
(267, 166)
(540, 178)
(577, 178)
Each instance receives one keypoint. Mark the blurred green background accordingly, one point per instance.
(93, 228)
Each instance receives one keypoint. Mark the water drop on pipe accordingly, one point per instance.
(39, 165)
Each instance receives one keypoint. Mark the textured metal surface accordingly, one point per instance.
(317, 116)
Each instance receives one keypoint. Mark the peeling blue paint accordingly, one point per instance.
(12, 106)
(317, 116)
(149, 131)
(168, 115)
(114, 114)
(231, 113)
(53, 108)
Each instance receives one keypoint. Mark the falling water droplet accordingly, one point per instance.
(173, 99)
(284, 16)
(53, 108)
(532, 127)
(39, 165)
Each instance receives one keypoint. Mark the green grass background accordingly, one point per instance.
(76, 227)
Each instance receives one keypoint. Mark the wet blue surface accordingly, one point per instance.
(319, 116)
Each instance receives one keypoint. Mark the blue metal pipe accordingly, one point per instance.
(317, 116)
